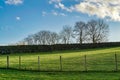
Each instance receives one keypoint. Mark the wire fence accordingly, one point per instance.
(61, 63)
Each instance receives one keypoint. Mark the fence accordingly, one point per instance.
(62, 63)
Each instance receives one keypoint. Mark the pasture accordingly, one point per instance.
(100, 64)
(30, 75)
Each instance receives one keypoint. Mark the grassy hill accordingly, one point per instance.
(96, 60)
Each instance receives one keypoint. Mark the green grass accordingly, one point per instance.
(97, 60)
(30, 75)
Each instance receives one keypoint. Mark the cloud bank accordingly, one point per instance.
(104, 9)
(109, 9)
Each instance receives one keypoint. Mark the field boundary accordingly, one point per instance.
(56, 47)
(60, 64)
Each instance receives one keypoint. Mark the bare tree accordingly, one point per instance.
(44, 37)
(36, 39)
(54, 39)
(94, 31)
(66, 34)
(97, 31)
(80, 30)
(29, 40)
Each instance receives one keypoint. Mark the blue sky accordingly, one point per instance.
(19, 18)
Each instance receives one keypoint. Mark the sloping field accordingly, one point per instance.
(96, 60)
(100, 64)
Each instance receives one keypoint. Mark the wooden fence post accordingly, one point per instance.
(38, 62)
(7, 61)
(19, 62)
(60, 63)
(85, 63)
(116, 64)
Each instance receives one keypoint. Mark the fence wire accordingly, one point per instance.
(61, 63)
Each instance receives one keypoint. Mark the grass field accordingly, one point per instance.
(97, 60)
(30, 75)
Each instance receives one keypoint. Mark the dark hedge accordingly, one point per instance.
(57, 47)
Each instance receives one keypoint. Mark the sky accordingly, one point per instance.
(20, 18)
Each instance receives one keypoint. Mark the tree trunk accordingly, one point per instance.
(81, 40)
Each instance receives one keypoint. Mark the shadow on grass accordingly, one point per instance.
(90, 71)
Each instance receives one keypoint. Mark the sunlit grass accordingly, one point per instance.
(97, 59)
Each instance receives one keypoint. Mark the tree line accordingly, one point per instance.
(94, 31)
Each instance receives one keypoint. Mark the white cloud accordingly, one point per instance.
(14, 2)
(63, 7)
(62, 14)
(44, 13)
(58, 14)
(58, 4)
(5, 27)
(105, 9)
(54, 1)
(18, 18)
(109, 9)
(54, 13)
